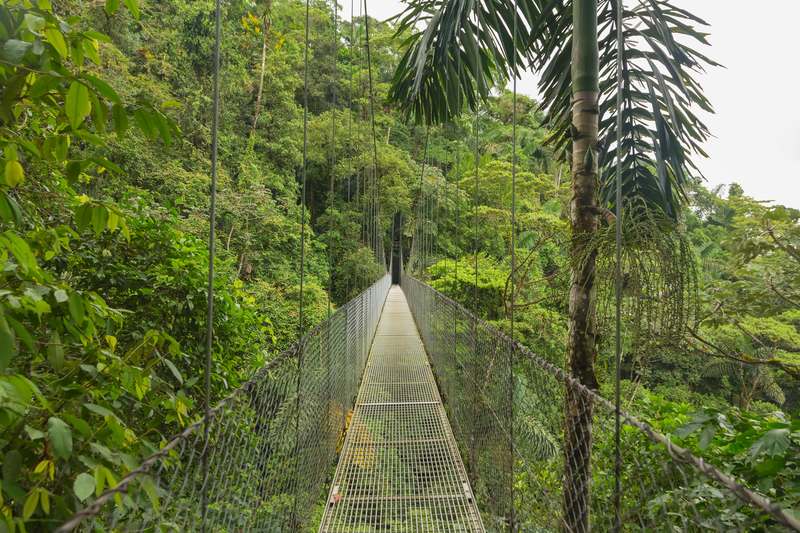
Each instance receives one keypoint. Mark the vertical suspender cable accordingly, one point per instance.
(436, 245)
(301, 328)
(350, 119)
(421, 198)
(445, 208)
(512, 514)
(331, 196)
(618, 277)
(429, 233)
(375, 192)
(424, 221)
(350, 96)
(460, 103)
(332, 188)
(212, 221)
(475, 205)
(361, 180)
(477, 172)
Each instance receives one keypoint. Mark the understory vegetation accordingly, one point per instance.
(105, 123)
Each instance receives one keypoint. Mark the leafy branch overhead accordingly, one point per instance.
(47, 67)
(662, 128)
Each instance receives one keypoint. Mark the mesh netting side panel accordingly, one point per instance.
(472, 371)
(271, 445)
(562, 437)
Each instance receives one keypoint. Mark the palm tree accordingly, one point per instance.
(458, 50)
(750, 381)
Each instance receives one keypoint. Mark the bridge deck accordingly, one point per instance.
(399, 469)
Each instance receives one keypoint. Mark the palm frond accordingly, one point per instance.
(660, 95)
(774, 393)
(465, 49)
(721, 368)
(534, 438)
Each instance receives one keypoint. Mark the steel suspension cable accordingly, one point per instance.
(212, 219)
(445, 202)
(361, 181)
(479, 25)
(460, 103)
(436, 211)
(332, 184)
(375, 192)
(424, 230)
(511, 352)
(429, 233)
(331, 197)
(350, 142)
(421, 195)
(350, 98)
(618, 278)
(301, 328)
(475, 205)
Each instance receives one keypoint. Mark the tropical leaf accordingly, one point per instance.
(660, 95)
(465, 49)
(535, 438)
(774, 392)
(723, 367)
(471, 42)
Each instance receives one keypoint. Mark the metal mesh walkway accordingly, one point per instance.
(400, 469)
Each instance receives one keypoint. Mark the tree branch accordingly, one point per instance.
(788, 248)
(781, 295)
(792, 370)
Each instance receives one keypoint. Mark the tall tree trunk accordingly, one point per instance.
(265, 28)
(583, 217)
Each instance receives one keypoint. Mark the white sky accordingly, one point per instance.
(756, 127)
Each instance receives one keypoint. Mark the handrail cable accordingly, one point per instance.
(678, 453)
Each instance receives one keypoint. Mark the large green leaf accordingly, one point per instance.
(60, 436)
(78, 105)
(83, 486)
(660, 96)
(56, 38)
(8, 343)
(14, 50)
(773, 442)
(133, 7)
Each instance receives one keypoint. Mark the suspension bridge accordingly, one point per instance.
(395, 415)
(405, 412)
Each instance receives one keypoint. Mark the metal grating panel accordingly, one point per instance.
(399, 469)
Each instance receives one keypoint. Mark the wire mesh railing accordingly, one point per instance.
(538, 446)
(261, 460)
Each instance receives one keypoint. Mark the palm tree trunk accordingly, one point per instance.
(583, 217)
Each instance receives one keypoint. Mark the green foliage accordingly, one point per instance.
(103, 201)
(104, 136)
(763, 450)
(458, 280)
(458, 51)
(710, 315)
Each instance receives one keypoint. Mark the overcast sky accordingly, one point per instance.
(756, 127)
